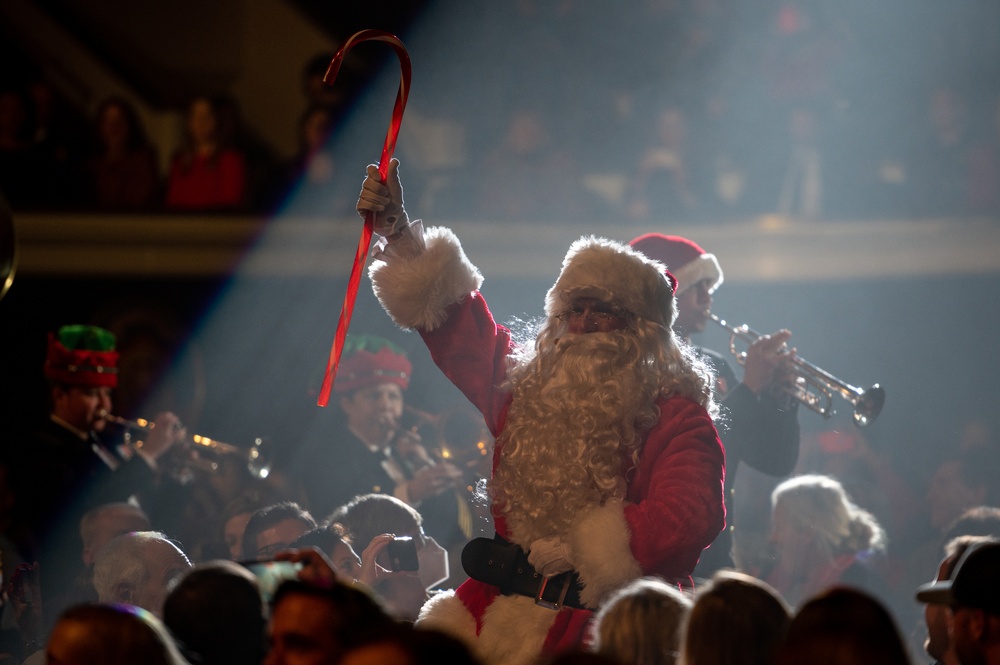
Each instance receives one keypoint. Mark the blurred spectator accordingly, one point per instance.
(111, 635)
(309, 184)
(315, 91)
(822, 539)
(124, 173)
(137, 568)
(940, 162)
(938, 644)
(402, 644)
(663, 187)
(641, 623)
(217, 613)
(802, 188)
(529, 174)
(207, 172)
(842, 626)
(273, 528)
(22, 169)
(318, 624)
(263, 170)
(233, 522)
(973, 596)
(736, 620)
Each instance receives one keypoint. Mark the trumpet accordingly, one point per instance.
(257, 456)
(814, 387)
(457, 436)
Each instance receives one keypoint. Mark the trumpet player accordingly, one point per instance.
(65, 465)
(760, 424)
(369, 450)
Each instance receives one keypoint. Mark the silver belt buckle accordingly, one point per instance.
(562, 594)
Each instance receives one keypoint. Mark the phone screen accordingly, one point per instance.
(270, 574)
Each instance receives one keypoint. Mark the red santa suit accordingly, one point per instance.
(673, 507)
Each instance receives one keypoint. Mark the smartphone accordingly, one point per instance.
(402, 553)
(270, 574)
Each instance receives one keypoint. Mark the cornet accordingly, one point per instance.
(817, 386)
(257, 456)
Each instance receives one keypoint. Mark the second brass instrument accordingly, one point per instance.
(257, 455)
(814, 386)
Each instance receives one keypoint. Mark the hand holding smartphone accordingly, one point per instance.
(270, 574)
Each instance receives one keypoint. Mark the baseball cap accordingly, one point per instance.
(975, 583)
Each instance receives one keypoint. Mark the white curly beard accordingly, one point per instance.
(573, 431)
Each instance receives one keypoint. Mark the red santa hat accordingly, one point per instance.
(82, 356)
(688, 262)
(372, 361)
(617, 274)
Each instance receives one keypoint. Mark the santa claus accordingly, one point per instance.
(607, 465)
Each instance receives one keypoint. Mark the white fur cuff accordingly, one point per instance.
(602, 552)
(416, 291)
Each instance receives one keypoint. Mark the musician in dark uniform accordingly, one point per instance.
(760, 424)
(371, 450)
(63, 466)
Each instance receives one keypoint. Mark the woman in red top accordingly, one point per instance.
(207, 172)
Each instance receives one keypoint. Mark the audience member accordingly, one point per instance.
(233, 522)
(216, 612)
(124, 172)
(403, 644)
(207, 172)
(313, 623)
(821, 539)
(938, 644)
(309, 182)
(137, 568)
(98, 527)
(273, 528)
(530, 175)
(315, 91)
(736, 620)
(973, 595)
(663, 186)
(641, 623)
(334, 542)
(111, 635)
(102, 524)
(367, 518)
(842, 626)
(262, 166)
(22, 169)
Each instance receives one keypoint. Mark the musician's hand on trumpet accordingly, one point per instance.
(433, 480)
(768, 361)
(163, 433)
(427, 477)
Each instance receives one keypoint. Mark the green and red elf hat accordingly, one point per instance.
(370, 361)
(81, 355)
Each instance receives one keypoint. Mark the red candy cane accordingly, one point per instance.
(347, 309)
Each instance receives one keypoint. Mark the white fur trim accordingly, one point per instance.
(445, 612)
(602, 553)
(616, 273)
(514, 628)
(705, 266)
(514, 631)
(416, 291)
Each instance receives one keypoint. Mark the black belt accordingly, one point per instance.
(505, 566)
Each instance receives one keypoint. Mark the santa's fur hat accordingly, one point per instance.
(613, 273)
(684, 258)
